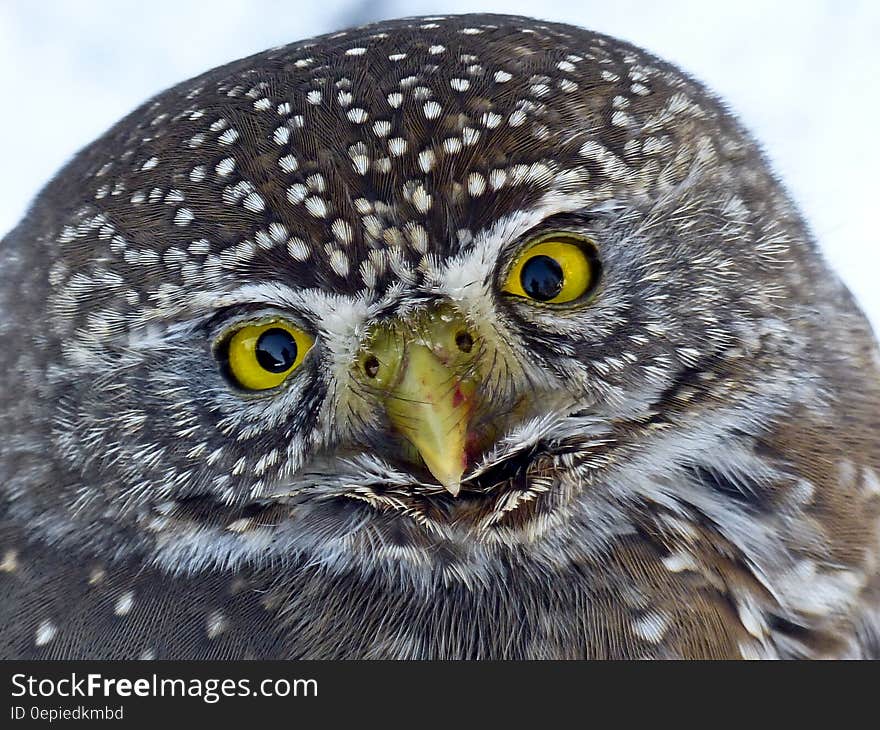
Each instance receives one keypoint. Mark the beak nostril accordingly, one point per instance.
(464, 341)
(371, 366)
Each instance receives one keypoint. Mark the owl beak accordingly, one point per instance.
(431, 408)
(428, 396)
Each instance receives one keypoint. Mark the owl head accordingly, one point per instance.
(427, 287)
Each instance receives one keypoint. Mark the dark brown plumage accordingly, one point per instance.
(680, 461)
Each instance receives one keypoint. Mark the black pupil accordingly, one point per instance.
(276, 350)
(541, 278)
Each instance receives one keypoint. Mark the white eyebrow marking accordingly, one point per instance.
(478, 260)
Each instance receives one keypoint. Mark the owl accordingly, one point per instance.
(439, 338)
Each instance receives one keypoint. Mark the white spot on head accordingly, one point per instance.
(361, 163)
(451, 145)
(150, 164)
(183, 217)
(460, 84)
(397, 146)
(502, 77)
(357, 115)
(254, 202)
(288, 163)
(316, 206)
(421, 199)
(278, 232)
(316, 182)
(339, 262)
(225, 166)
(427, 158)
(296, 193)
(469, 136)
(540, 90)
(497, 178)
(621, 119)
(298, 249)
(228, 137)
(432, 109)
(342, 231)
(417, 236)
(490, 120)
(476, 184)
(201, 247)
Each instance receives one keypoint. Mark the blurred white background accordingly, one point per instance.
(804, 76)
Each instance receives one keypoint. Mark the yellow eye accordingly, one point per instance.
(554, 269)
(261, 356)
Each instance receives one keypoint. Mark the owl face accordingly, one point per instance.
(425, 283)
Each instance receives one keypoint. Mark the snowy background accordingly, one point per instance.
(804, 76)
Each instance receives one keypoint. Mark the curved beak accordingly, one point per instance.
(429, 391)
